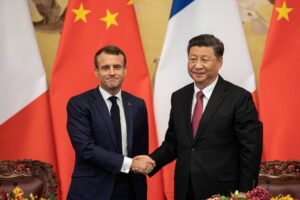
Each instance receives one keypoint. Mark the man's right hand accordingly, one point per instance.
(142, 164)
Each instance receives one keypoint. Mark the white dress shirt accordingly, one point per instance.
(207, 91)
(127, 161)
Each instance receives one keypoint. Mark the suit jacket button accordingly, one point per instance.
(193, 149)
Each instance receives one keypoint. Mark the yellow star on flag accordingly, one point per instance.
(110, 19)
(130, 2)
(283, 11)
(80, 13)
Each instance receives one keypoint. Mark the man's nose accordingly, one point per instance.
(111, 71)
(198, 64)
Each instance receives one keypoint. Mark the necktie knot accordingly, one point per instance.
(200, 95)
(113, 99)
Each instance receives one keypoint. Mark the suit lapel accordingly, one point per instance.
(103, 110)
(214, 102)
(188, 109)
(127, 104)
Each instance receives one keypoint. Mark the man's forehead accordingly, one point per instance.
(196, 50)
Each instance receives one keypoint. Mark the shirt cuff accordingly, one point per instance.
(126, 165)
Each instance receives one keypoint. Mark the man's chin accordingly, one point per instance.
(199, 79)
(114, 87)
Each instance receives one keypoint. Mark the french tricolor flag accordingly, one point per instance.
(25, 120)
(188, 19)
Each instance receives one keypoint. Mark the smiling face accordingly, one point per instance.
(203, 65)
(110, 71)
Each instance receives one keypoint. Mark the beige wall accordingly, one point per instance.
(153, 17)
(256, 41)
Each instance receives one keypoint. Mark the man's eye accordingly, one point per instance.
(117, 66)
(105, 67)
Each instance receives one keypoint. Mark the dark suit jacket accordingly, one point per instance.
(91, 132)
(226, 152)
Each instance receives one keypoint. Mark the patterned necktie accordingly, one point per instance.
(115, 117)
(197, 114)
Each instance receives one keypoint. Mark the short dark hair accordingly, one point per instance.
(207, 40)
(111, 49)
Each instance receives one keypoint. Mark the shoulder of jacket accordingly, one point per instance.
(235, 88)
(185, 89)
(83, 96)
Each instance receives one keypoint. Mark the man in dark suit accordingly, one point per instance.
(108, 127)
(214, 131)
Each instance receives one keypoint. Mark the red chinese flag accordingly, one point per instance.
(279, 91)
(90, 25)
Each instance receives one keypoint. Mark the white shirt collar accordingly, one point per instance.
(207, 91)
(106, 95)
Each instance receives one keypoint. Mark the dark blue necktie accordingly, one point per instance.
(115, 117)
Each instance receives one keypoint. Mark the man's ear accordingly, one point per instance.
(220, 61)
(96, 71)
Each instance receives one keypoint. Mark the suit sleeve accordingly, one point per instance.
(79, 129)
(167, 152)
(143, 144)
(249, 133)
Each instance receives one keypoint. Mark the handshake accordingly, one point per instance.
(142, 164)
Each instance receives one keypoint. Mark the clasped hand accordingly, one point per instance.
(142, 164)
